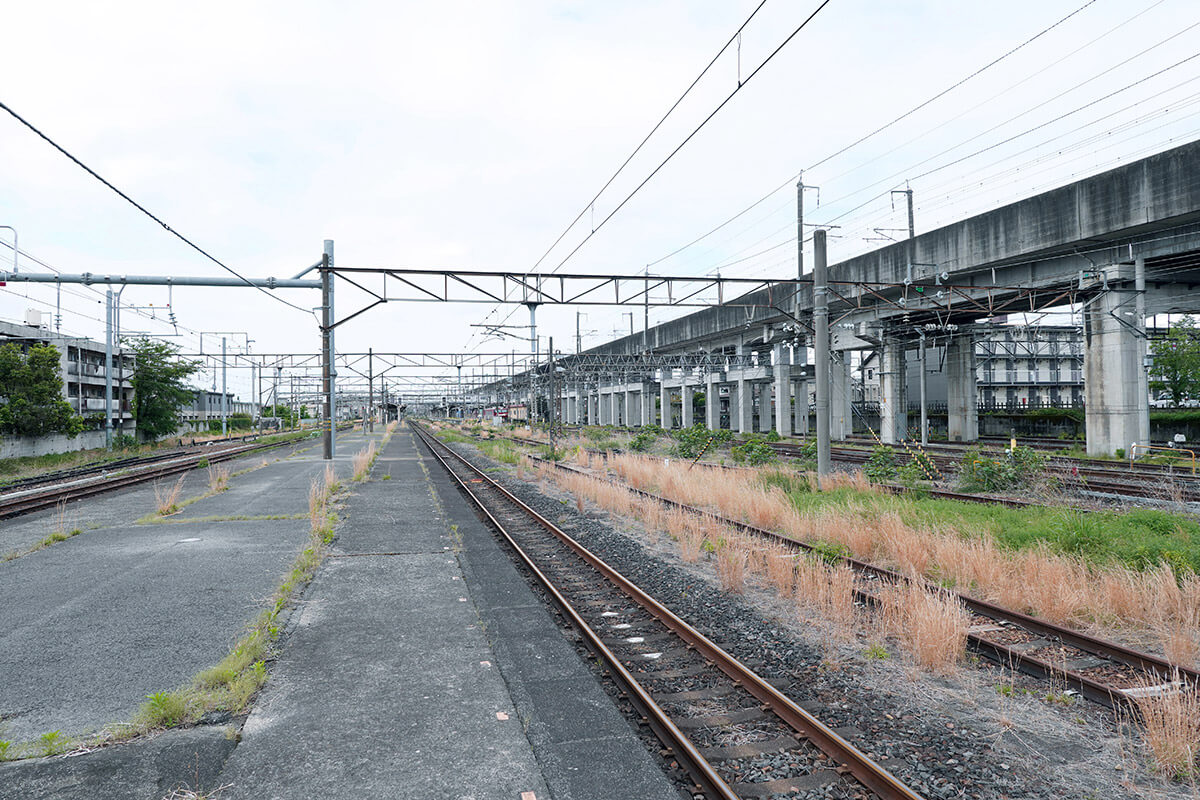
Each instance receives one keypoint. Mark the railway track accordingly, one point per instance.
(697, 698)
(1151, 481)
(24, 501)
(1102, 671)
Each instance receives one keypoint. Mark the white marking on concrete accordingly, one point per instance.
(185, 541)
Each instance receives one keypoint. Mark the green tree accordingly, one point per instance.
(31, 402)
(284, 413)
(159, 386)
(304, 413)
(1177, 361)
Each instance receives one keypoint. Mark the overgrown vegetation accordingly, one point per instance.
(881, 466)
(754, 451)
(1020, 466)
(691, 442)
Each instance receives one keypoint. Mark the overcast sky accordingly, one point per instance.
(470, 134)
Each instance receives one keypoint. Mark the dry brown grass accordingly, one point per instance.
(731, 564)
(825, 592)
(316, 504)
(363, 460)
(218, 478)
(931, 626)
(1060, 588)
(691, 542)
(166, 496)
(1170, 726)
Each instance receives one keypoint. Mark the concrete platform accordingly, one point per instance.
(418, 664)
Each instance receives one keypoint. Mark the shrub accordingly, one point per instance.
(642, 441)
(1018, 466)
(693, 441)
(754, 450)
(881, 466)
(163, 709)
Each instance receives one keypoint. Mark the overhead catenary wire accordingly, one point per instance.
(145, 211)
(742, 83)
(785, 184)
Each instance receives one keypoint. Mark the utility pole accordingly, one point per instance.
(578, 338)
(645, 315)
(327, 370)
(533, 350)
(821, 350)
(921, 383)
(371, 388)
(108, 348)
(224, 396)
(553, 396)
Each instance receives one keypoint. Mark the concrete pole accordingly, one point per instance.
(646, 398)
(800, 408)
(371, 387)
(821, 351)
(921, 382)
(533, 351)
(1143, 377)
(327, 441)
(108, 366)
(224, 390)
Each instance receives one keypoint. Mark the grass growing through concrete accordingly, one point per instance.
(166, 497)
(63, 528)
(363, 460)
(218, 478)
(232, 683)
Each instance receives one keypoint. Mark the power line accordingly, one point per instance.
(671, 155)
(698, 128)
(875, 132)
(653, 130)
(145, 211)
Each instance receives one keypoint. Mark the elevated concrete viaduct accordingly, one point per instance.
(1123, 245)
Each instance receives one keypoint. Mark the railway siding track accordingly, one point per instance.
(1102, 671)
(14, 503)
(721, 721)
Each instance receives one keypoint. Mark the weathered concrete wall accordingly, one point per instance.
(23, 446)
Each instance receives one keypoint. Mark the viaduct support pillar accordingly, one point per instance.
(614, 397)
(745, 406)
(646, 399)
(664, 401)
(685, 404)
(961, 406)
(593, 415)
(893, 394)
(840, 423)
(631, 408)
(712, 402)
(783, 393)
(1117, 406)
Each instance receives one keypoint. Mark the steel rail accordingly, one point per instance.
(53, 495)
(861, 766)
(1094, 690)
